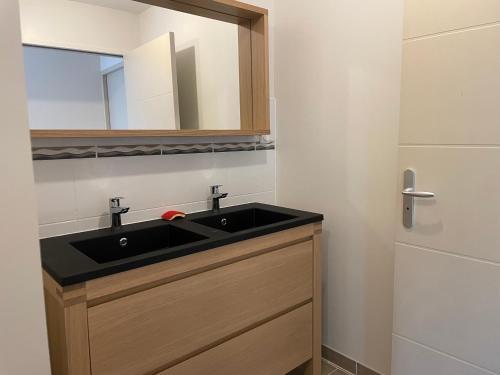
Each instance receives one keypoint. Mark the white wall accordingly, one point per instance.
(217, 61)
(75, 25)
(447, 274)
(23, 338)
(64, 88)
(338, 84)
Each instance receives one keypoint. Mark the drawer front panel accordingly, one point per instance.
(175, 269)
(276, 347)
(151, 330)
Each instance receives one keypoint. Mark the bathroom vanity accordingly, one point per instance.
(236, 291)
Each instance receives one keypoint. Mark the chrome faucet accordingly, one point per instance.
(216, 196)
(116, 211)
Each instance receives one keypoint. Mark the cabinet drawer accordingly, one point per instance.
(274, 348)
(152, 330)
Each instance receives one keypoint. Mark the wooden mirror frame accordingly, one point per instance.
(253, 45)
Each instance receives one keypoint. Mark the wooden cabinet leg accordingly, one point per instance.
(314, 365)
(66, 310)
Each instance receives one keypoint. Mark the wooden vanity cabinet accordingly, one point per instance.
(249, 308)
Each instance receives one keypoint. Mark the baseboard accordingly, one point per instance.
(345, 362)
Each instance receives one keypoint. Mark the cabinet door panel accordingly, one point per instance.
(151, 330)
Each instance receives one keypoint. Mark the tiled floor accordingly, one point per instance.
(329, 369)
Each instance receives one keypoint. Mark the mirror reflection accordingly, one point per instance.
(125, 65)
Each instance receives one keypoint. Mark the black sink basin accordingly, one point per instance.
(242, 220)
(128, 244)
(75, 258)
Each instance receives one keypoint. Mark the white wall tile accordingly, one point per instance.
(450, 89)
(145, 181)
(410, 358)
(135, 216)
(450, 303)
(424, 17)
(73, 194)
(55, 189)
(246, 172)
(57, 229)
(155, 213)
(265, 197)
(464, 218)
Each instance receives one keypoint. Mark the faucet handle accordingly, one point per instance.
(215, 189)
(115, 201)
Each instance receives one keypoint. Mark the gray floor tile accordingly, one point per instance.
(341, 372)
(326, 369)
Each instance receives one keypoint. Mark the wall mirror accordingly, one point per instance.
(122, 68)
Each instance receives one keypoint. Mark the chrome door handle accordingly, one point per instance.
(409, 195)
(417, 194)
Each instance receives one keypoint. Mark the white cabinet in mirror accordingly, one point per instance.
(126, 65)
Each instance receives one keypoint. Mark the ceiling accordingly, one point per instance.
(126, 5)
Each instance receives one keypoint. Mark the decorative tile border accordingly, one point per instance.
(229, 147)
(80, 152)
(265, 146)
(55, 153)
(135, 150)
(186, 149)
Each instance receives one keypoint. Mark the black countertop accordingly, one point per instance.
(67, 265)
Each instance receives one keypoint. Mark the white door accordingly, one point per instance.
(151, 85)
(117, 100)
(447, 269)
